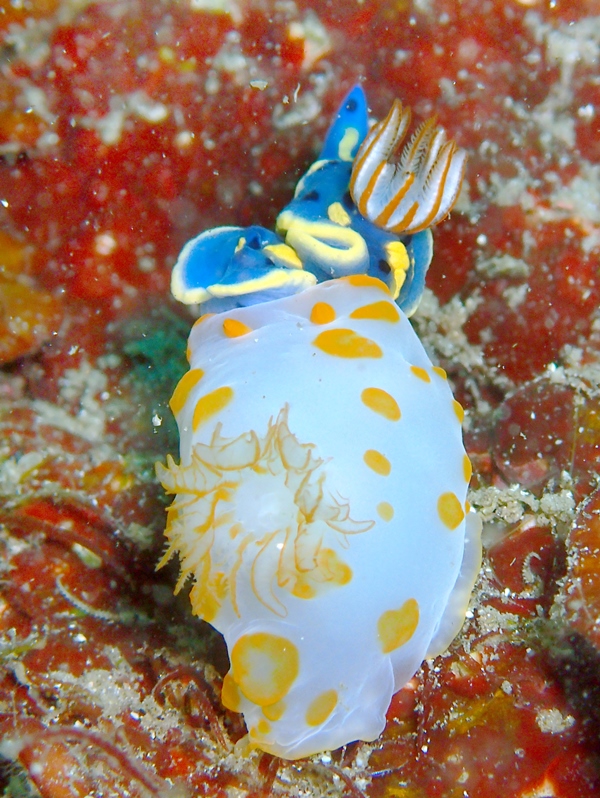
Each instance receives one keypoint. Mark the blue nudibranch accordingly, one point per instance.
(320, 501)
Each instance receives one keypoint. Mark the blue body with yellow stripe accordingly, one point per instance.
(319, 233)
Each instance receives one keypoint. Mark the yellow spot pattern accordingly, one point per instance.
(440, 372)
(385, 511)
(185, 385)
(264, 667)
(321, 707)
(399, 262)
(274, 711)
(381, 402)
(450, 510)
(286, 254)
(230, 694)
(333, 571)
(233, 328)
(338, 214)
(378, 311)
(210, 404)
(262, 727)
(459, 411)
(364, 281)
(202, 319)
(346, 343)
(467, 468)
(377, 462)
(322, 313)
(420, 373)
(396, 627)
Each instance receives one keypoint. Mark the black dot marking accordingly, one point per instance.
(347, 200)
(312, 196)
(253, 242)
(384, 266)
(351, 106)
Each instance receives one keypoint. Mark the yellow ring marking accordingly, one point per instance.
(264, 666)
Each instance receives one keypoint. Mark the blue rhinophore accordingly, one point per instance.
(348, 129)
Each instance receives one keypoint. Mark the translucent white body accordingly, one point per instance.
(320, 509)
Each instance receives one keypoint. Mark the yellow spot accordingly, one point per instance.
(230, 694)
(264, 666)
(333, 571)
(282, 252)
(450, 510)
(274, 711)
(385, 511)
(210, 404)
(379, 311)
(234, 328)
(347, 144)
(188, 354)
(458, 409)
(399, 263)
(346, 343)
(262, 728)
(332, 568)
(203, 318)
(420, 373)
(321, 707)
(185, 385)
(467, 468)
(303, 588)
(440, 372)
(381, 402)
(396, 627)
(467, 507)
(378, 462)
(338, 215)
(364, 281)
(322, 313)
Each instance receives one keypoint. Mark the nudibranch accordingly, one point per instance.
(321, 495)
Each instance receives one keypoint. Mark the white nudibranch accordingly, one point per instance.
(320, 502)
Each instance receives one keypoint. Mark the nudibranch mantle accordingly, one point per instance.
(320, 500)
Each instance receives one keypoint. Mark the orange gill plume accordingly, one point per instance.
(415, 191)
